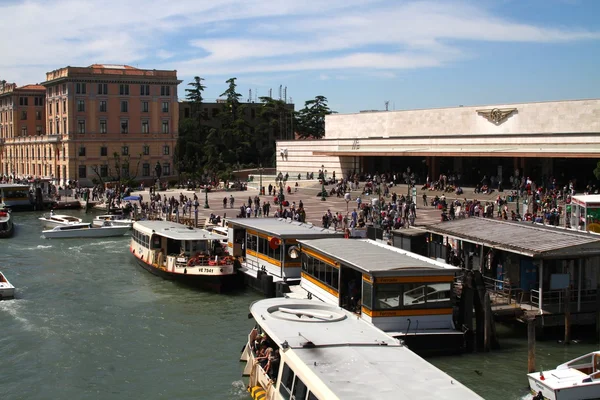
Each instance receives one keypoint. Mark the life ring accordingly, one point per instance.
(191, 262)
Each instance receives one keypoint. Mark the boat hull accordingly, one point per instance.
(7, 290)
(582, 391)
(216, 283)
(112, 231)
(6, 233)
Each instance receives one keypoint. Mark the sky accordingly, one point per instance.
(359, 54)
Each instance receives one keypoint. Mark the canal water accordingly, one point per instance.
(88, 323)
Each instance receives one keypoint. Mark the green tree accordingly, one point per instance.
(272, 125)
(310, 121)
(192, 132)
(234, 134)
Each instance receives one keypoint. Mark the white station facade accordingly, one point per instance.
(559, 139)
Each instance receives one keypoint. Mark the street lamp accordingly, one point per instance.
(206, 197)
(260, 188)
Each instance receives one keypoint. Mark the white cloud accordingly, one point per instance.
(253, 36)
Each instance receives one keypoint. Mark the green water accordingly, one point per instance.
(88, 323)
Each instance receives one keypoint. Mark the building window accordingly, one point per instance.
(102, 88)
(124, 106)
(65, 126)
(24, 131)
(144, 106)
(38, 115)
(82, 151)
(165, 106)
(64, 106)
(124, 126)
(103, 151)
(38, 101)
(124, 90)
(166, 150)
(56, 106)
(103, 171)
(23, 115)
(57, 127)
(166, 169)
(80, 88)
(165, 90)
(145, 127)
(103, 106)
(80, 106)
(64, 88)
(82, 171)
(125, 150)
(215, 112)
(102, 126)
(38, 130)
(144, 90)
(145, 169)
(165, 127)
(80, 126)
(125, 170)
(49, 109)
(146, 150)
(23, 101)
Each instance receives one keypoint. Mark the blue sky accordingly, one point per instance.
(357, 53)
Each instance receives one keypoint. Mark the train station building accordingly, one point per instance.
(555, 139)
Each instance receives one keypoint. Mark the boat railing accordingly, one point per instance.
(202, 261)
(258, 376)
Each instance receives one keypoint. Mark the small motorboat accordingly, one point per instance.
(575, 379)
(7, 227)
(115, 219)
(85, 230)
(7, 290)
(59, 220)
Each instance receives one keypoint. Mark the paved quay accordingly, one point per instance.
(313, 205)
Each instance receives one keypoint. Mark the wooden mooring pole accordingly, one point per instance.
(488, 321)
(567, 316)
(598, 313)
(531, 345)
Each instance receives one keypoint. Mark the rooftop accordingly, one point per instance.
(521, 237)
(32, 87)
(173, 230)
(354, 359)
(370, 256)
(284, 228)
(112, 66)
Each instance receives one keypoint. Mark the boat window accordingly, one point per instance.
(262, 246)
(322, 271)
(403, 295)
(299, 392)
(287, 379)
(311, 396)
(155, 242)
(251, 242)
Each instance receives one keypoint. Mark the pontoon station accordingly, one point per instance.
(16, 197)
(309, 350)
(404, 294)
(264, 244)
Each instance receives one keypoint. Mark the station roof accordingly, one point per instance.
(588, 199)
(372, 257)
(347, 358)
(524, 238)
(284, 228)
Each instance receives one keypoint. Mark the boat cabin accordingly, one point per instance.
(405, 294)
(264, 245)
(15, 196)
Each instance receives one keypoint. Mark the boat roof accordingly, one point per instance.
(285, 228)
(371, 257)
(173, 230)
(350, 356)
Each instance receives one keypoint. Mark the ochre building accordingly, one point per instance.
(101, 122)
(559, 139)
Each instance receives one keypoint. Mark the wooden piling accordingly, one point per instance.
(567, 315)
(487, 328)
(531, 345)
(598, 313)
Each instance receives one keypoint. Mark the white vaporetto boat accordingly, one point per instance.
(7, 290)
(59, 220)
(7, 227)
(85, 230)
(577, 379)
(191, 255)
(115, 219)
(304, 349)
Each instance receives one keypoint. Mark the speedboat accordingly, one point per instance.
(116, 219)
(7, 228)
(575, 379)
(59, 220)
(85, 230)
(7, 290)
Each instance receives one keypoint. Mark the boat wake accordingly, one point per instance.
(13, 309)
(238, 390)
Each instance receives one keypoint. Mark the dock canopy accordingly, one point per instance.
(533, 240)
(283, 228)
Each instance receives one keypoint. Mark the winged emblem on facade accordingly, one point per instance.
(496, 115)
